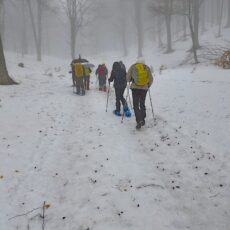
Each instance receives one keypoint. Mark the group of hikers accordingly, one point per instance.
(139, 78)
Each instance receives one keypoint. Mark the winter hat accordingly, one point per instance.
(141, 60)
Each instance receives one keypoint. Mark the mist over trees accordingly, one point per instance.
(66, 28)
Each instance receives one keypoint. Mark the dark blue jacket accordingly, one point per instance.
(118, 75)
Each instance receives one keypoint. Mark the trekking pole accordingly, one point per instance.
(130, 102)
(151, 103)
(107, 98)
(122, 117)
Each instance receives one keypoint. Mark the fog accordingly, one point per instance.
(103, 26)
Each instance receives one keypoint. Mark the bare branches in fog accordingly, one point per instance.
(68, 27)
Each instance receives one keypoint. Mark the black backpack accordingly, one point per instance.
(119, 73)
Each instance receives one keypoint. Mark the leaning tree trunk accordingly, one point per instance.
(4, 76)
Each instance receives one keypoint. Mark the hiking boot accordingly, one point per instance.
(138, 126)
(142, 122)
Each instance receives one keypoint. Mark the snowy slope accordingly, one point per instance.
(98, 173)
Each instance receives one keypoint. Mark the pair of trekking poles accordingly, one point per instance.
(128, 95)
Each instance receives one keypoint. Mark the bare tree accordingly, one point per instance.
(4, 76)
(76, 11)
(165, 8)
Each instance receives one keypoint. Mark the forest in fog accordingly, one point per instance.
(134, 133)
(65, 28)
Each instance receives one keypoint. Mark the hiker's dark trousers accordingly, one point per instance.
(102, 82)
(120, 98)
(139, 96)
(80, 86)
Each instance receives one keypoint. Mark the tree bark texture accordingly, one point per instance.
(4, 76)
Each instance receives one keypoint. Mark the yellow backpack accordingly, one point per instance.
(87, 71)
(78, 70)
(140, 74)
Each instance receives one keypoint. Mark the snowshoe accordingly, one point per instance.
(117, 113)
(127, 112)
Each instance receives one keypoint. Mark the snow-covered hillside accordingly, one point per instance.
(97, 173)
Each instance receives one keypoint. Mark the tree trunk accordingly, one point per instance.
(37, 35)
(39, 40)
(24, 41)
(4, 76)
(194, 49)
(220, 18)
(203, 17)
(138, 15)
(184, 21)
(73, 39)
(2, 19)
(228, 17)
(123, 27)
(159, 30)
(212, 13)
(168, 25)
(196, 19)
(124, 37)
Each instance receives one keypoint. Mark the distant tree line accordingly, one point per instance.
(85, 24)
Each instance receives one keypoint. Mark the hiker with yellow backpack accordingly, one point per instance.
(141, 77)
(79, 75)
(87, 72)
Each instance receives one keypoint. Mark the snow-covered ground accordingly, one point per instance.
(97, 173)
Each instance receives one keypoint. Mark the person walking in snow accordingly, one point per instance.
(141, 77)
(118, 76)
(79, 75)
(102, 73)
(87, 72)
